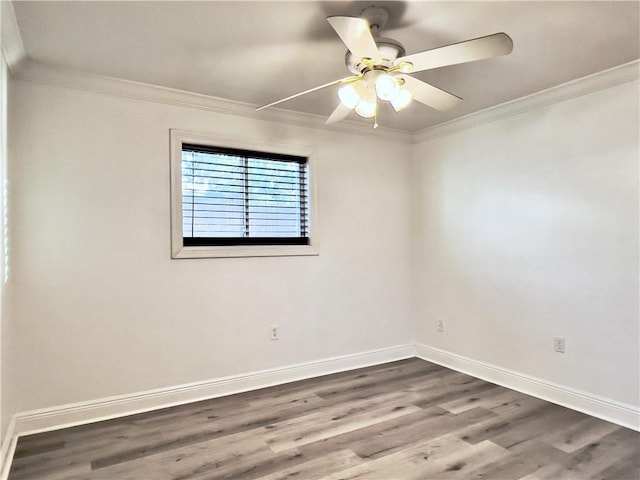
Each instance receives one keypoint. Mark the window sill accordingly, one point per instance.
(244, 251)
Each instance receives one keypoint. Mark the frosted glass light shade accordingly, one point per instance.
(349, 96)
(401, 100)
(367, 107)
(387, 86)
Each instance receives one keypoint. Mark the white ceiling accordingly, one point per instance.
(258, 52)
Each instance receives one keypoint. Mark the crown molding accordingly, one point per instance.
(10, 38)
(611, 77)
(37, 72)
(25, 69)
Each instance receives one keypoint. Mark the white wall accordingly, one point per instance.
(526, 229)
(3, 160)
(96, 307)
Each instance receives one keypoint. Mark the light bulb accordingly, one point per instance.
(401, 100)
(367, 107)
(386, 86)
(349, 96)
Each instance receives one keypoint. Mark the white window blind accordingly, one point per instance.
(242, 197)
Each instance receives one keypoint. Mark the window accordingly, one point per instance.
(230, 201)
(243, 197)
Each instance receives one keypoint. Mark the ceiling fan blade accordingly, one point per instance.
(330, 84)
(356, 35)
(429, 95)
(468, 51)
(340, 113)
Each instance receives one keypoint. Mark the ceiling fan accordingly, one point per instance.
(382, 70)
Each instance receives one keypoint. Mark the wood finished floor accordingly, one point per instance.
(404, 420)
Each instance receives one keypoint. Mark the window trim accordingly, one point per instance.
(179, 250)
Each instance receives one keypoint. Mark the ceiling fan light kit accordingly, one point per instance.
(381, 69)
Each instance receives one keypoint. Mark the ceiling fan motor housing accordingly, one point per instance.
(389, 49)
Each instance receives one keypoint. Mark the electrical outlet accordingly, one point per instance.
(440, 326)
(273, 331)
(558, 344)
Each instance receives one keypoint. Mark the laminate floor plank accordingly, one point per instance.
(51, 467)
(245, 467)
(402, 420)
(580, 434)
(326, 464)
(401, 376)
(489, 399)
(543, 472)
(329, 426)
(415, 459)
(366, 441)
(445, 457)
(220, 454)
(448, 392)
(499, 424)
(547, 420)
(26, 449)
(524, 459)
(599, 456)
(460, 464)
(625, 469)
(401, 436)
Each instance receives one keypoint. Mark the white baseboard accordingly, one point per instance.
(106, 408)
(604, 408)
(8, 448)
